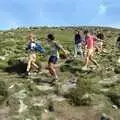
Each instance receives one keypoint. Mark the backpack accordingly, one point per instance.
(39, 48)
(35, 46)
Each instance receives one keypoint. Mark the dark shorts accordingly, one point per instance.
(53, 59)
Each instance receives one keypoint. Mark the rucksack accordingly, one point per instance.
(38, 47)
(35, 46)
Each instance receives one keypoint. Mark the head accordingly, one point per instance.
(31, 37)
(50, 37)
(86, 32)
(77, 32)
(99, 32)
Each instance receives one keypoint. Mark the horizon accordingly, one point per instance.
(64, 26)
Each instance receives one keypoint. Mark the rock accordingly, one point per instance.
(16, 103)
(64, 88)
(84, 68)
(105, 117)
(45, 88)
(23, 59)
(110, 81)
(2, 58)
(118, 60)
(104, 90)
(86, 99)
(54, 98)
(23, 107)
(115, 97)
(115, 107)
(40, 101)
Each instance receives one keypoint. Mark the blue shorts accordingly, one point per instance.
(53, 59)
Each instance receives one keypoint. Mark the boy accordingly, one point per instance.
(78, 44)
(55, 47)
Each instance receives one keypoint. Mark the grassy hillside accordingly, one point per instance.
(79, 95)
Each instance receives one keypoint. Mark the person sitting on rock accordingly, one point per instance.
(55, 47)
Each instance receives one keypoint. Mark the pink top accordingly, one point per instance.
(90, 42)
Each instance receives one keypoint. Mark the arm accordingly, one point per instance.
(61, 47)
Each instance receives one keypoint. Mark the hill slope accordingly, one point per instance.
(79, 95)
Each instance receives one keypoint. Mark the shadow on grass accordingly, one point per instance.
(18, 67)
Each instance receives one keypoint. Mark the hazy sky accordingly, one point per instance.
(14, 13)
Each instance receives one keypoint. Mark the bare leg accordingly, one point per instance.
(88, 54)
(87, 61)
(35, 65)
(75, 51)
(52, 70)
(29, 65)
(94, 61)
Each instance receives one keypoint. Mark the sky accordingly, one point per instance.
(24, 13)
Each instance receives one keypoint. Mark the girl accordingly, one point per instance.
(31, 53)
(89, 48)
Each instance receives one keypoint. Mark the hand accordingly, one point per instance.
(66, 52)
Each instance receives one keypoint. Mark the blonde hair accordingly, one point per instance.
(31, 36)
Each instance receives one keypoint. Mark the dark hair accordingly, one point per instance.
(86, 31)
(51, 36)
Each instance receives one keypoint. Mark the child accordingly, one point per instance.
(55, 47)
(89, 47)
(31, 53)
(78, 44)
(100, 38)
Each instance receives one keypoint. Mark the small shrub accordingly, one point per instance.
(77, 95)
(3, 91)
(117, 70)
(36, 111)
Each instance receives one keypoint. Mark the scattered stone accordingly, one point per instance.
(105, 117)
(115, 107)
(23, 107)
(2, 58)
(64, 88)
(118, 60)
(11, 86)
(86, 99)
(110, 81)
(56, 98)
(105, 90)
(45, 87)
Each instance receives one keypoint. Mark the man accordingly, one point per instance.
(78, 44)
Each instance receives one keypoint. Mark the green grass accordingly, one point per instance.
(12, 45)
